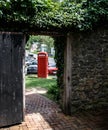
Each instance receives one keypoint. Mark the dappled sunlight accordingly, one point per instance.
(42, 113)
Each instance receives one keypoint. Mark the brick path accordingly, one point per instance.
(43, 114)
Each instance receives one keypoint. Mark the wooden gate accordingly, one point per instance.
(11, 78)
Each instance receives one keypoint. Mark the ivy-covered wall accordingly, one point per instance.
(89, 79)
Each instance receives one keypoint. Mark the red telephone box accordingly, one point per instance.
(42, 64)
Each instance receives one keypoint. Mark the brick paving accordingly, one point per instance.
(43, 114)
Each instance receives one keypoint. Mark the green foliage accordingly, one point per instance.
(59, 58)
(16, 10)
(54, 93)
(46, 14)
(84, 14)
(50, 85)
(40, 39)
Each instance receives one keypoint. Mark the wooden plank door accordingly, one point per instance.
(11, 78)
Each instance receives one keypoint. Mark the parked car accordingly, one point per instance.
(31, 62)
(34, 63)
(32, 69)
(52, 69)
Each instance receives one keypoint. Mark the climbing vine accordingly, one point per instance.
(59, 45)
(46, 14)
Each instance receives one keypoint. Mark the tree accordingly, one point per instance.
(39, 40)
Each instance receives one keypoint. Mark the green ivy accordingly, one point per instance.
(46, 14)
(59, 45)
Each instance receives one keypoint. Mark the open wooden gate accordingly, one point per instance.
(11, 78)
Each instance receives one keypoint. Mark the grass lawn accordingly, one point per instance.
(32, 81)
(49, 84)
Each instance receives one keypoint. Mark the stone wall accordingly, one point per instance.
(89, 79)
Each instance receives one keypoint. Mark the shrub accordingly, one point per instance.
(53, 93)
